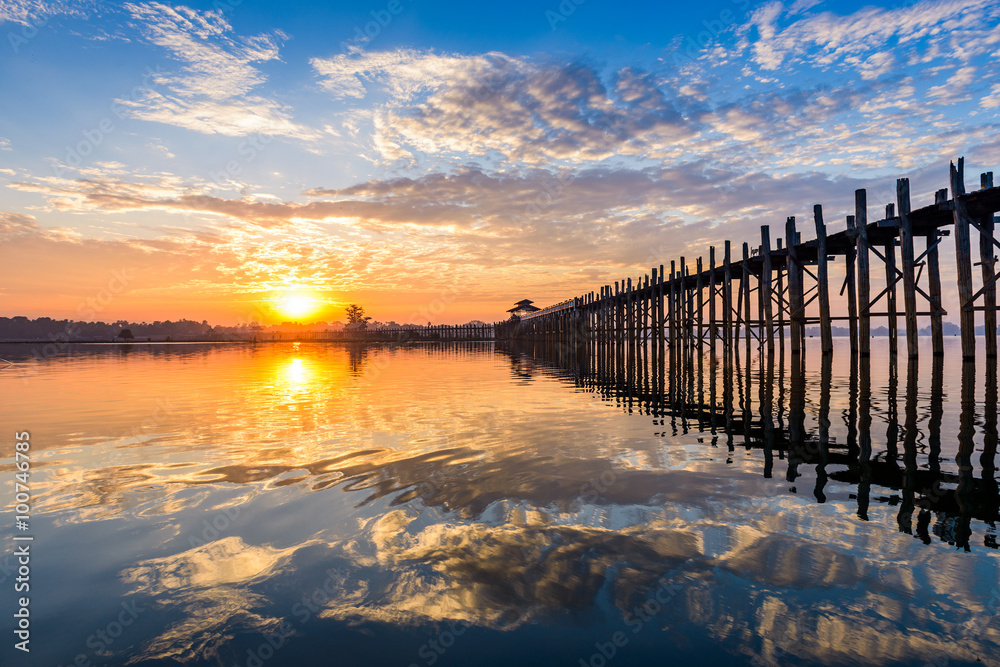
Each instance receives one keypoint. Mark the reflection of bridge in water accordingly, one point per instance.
(766, 407)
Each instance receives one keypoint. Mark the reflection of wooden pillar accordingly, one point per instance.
(765, 287)
(986, 255)
(963, 260)
(826, 376)
(907, 257)
(864, 435)
(904, 518)
(852, 290)
(966, 446)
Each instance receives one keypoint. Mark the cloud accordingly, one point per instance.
(36, 13)
(213, 92)
(827, 39)
(497, 105)
(4, 144)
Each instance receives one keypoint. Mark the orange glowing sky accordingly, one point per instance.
(159, 161)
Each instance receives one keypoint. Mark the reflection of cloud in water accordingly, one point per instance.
(502, 576)
(210, 585)
(742, 584)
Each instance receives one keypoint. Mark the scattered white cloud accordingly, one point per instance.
(36, 13)
(827, 39)
(213, 92)
(5, 144)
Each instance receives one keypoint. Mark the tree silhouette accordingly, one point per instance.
(356, 314)
(126, 334)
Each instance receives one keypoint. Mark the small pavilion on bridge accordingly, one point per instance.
(522, 308)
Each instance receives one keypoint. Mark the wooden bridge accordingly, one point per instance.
(388, 334)
(699, 307)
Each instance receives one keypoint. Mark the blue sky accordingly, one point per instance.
(230, 153)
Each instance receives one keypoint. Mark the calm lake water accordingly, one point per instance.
(310, 504)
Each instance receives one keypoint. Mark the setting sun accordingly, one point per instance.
(297, 305)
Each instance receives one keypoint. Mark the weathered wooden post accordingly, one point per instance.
(671, 310)
(781, 303)
(852, 291)
(765, 287)
(986, 256)
(823, 281)
(727, 297)
(963, 259)
(713, 327)
(795, 297)
(701, 301)
(746, 296)
(907, 257)
(890, 282)
(864, 278)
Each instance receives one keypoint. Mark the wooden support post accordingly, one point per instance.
(682, 301)
(651, 300)
(727, 297)
(852, 290)
(986, 255)
(713, 328)
(660, 310)
(765, 287)
(864, 277)
(823, 281)
(963, 259)
(907, 257)
(630, 328)
(934, 285)
(671, 305)
(700, 310)
(781, 304)
(746, 296)
(891, 311)
(688, 307)
(794, 287)
(646, 302)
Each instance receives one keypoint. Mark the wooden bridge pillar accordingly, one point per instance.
(987, 252)
(671, 297)
(713, 326)
(781, 303)
(864, 277)
(963, 259)
(795, 297)
(822, 275)
(727, 297)
(700, 310)
(746, 297)
(907, 257)
(852, 291)
(890, 281)
(765, 287)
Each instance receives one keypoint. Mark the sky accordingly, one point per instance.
(437, 161)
